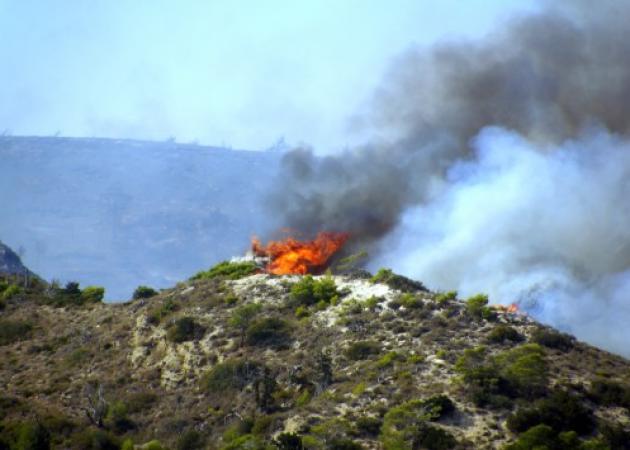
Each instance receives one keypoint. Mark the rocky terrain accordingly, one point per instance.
(10, 262)
(235, 359)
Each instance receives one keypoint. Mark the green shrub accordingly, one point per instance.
(269, 332)
(397, 282)
(92, 294)
(144, 292)
(387, 360)
(518, 372)
(14, 330)
(362, 350)
(561, 411)
(616, 436)
(368, 426)
(309, 291)
(342, 443)
(94, 439)
(185, 329)
(444, 297)
(228, 270)
(409, 301)
(140, 401)
(159, 312)
(288, 441)
(476, 307)
(11, 290)
(117, 417)
(243, 316)
(32, 436)
(504, 333)
(539, 437)
(609, 393)
(232, 374)
(553, 339)
(190, 440)
(405, 426)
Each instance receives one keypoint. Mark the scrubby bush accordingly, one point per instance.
(92, 294)
(444, 297)
(362, 350)
(228, 270)
(140, 401)
(476, 307)
(397, 282)
(159, 312)
(504, 333)
(609, 393)
(405, 426)
(518, 372)
(144, 292)
(190, 440)
(269, 332)
(368, 426)
(185, 329)
(10, 291)
(409, 301)
(288, 441)
(117, 417)
(32, 436)
(538, 437)
(553, 339)
(232, 374)
(14, 330)
(561, 411)
(94, 439)
(243, 316)
(309, 291)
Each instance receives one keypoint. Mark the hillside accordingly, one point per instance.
(235, 360)
(123, 212)
(10, 262)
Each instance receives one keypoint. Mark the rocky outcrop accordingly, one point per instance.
(10, 262)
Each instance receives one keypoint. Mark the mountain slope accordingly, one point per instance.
(10, 262)
(338, 362)
(121, 213)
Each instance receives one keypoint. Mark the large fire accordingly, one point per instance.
(291, 256)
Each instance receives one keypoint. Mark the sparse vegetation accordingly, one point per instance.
(309, 291)
(504, 333)
(398, 282)
(362, 350)
(477, 308)
(553, 339)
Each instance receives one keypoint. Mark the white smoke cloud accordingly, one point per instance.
(542, 226)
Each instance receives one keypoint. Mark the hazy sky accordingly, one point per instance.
(239, 73)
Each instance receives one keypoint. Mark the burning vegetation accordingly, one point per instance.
(292, 256)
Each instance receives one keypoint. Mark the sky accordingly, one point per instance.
(241, 73)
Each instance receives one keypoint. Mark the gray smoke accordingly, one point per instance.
(499, 166)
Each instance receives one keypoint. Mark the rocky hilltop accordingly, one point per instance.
(234, 359)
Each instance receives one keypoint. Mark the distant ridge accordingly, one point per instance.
(10, 262)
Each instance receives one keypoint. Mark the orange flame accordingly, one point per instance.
(291, 256)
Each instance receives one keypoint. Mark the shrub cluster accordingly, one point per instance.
(228, 270)
(553, 339)
(309, 291)
(362, 350)
(269, 332)
(477, 307)
(397, 282)
(72, 295)
(14, 330)
(504, 333)
(609, 393)
(518, 372)
(144, 292)
(185, 329)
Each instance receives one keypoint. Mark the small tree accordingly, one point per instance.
(243, 316)
(92, 294)
(144, 292)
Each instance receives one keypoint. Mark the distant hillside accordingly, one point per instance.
(343, 362)
(10, 262)
(120, 213)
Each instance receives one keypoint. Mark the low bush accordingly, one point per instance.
(409, 301)
(10, 291)
(159, 312)
(14, 330)
(92, 294)
(190, 440)
(518, 372)
(444, 297)
(144, 292)
(609, 393)
(553, 339)
(288, 441)
(504, 333)
(185, 329)
(94, 439)
(232, 374)
(140, 401)
(363, 350)
(228, 270)
(405, 426)
(476, 307)
(309, 291)
(561, 411)
(243, 316)
(368, 426)
(117, 417)
(397, 282)
(269, 332)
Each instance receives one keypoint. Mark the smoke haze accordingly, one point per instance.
(499, 166)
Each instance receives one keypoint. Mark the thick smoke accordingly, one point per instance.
(500, 166)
